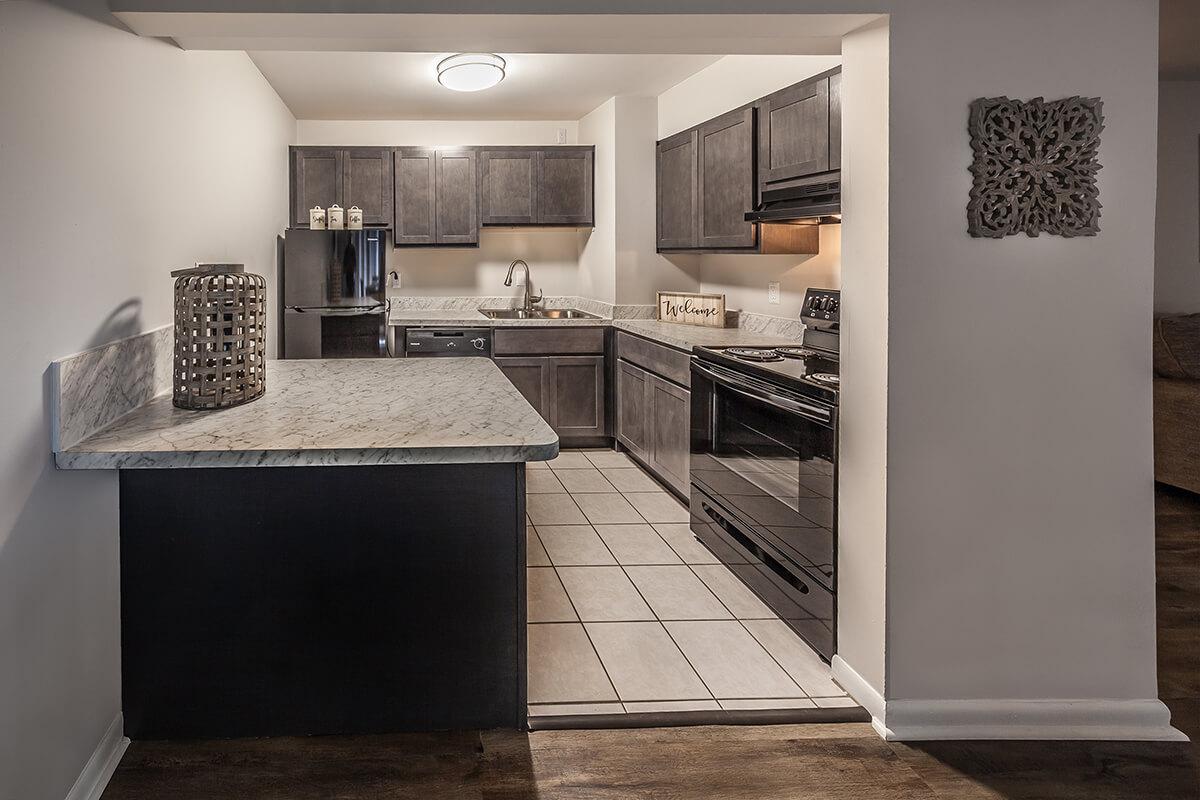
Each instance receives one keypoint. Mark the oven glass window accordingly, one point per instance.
(775, 470)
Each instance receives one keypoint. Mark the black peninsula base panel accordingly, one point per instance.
(320, 600)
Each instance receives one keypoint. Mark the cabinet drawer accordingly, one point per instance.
(548, 341)
(672, 364)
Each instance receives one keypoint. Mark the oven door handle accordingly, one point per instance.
(791, 405)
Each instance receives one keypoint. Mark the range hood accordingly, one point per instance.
(806, 201)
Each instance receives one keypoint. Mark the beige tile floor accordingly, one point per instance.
(628, 613)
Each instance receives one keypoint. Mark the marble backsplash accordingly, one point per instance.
(92, 389)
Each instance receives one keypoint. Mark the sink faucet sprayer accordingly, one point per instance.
(530, 301)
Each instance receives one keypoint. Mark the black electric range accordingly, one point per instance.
(763, 468)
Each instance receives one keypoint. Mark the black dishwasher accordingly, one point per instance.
(422, 342)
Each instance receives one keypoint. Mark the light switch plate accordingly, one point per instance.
(773, 293)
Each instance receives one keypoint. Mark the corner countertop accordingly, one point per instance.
(685, 337)
(682, 337)
(336, 412)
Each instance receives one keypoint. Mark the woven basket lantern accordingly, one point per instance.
(220, 344)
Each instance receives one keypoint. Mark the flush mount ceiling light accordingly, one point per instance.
(470, 72)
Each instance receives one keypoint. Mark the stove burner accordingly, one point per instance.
(754, 354)
(826, 377)
(795, 352)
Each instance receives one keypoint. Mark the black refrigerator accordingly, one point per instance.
(333, 294)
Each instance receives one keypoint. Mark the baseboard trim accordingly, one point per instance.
(1111, 720)
(863, 692)
(928, 720)
(100, 767)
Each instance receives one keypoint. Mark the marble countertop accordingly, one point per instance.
(467, 316)
(336, 413)
(683, 337)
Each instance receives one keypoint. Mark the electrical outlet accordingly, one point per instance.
(393, 281)
(773, 293)
(562, 136)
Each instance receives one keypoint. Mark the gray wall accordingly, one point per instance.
(121, 158)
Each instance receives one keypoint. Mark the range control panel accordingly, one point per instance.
(822, 306)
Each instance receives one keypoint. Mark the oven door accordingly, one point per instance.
(767, 456)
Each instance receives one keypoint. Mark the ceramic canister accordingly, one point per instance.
(354, 219)
(316, 218)
(336, 218)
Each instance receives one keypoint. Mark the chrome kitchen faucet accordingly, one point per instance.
(530, 301)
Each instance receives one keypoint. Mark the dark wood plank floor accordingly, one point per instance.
(815, 762)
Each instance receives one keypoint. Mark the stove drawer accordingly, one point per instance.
(787, 589)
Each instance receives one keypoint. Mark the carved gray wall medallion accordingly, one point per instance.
(1035, 167)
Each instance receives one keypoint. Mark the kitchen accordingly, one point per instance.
(660, 523)
(710, 544)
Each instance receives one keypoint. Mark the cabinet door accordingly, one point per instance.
(531, 377)
(726, 174)
(457, 197)
(564, 181)
(676, 178)
(670, 412)
(633, 423)
(577, 395)
(316, 181)
(508, 186)
(415, 196)
(367, 183)
(794, 133)
(835, 121)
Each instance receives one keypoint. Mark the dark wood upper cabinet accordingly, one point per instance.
(793, 139)
(436, 197)
(726, 181)
(564, 186)
(316, 180)
(677, 190)
(367, 183)
(416, 182)
(508, 186)
(354, 176)
(457, 207)
(536, 185)
(835, 120)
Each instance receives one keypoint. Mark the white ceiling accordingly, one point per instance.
(361, 85)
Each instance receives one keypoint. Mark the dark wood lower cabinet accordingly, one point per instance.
(632, 422)
(670, 415)
(653, 423)
(568, 391)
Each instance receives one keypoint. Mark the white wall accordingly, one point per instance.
(1177, 227)
(731, 82)
(862, 443)
(743, 279)
(432, 132)
(641, 271)
(619, 259)
(553, 255)
(1020, 538)
(122, 158)
(598, 247)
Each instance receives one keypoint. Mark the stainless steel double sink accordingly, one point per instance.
(537, 313)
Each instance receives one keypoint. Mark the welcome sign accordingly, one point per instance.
(692, 309)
